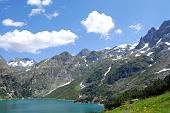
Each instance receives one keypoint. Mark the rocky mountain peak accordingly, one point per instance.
(152, 30)
(153, 35)
(64, 56)
(83, 52)
(65, 53)
(165, 25)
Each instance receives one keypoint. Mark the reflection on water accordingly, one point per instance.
(46, 106)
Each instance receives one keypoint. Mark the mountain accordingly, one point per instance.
(52, 73)
(84, 52)
(21, 62)
(9, 86)
(123, 67)
(91, 76)
(4, 68)
(154, 37)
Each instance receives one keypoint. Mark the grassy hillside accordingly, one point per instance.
(157, 104)
(70, 91)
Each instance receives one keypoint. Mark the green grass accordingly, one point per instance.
(70, 91)
(157, 104)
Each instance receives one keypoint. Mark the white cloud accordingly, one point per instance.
(52, 15)
(10, 22)
(98, 23)
(34, 2)
(136, 27)
(39, 2)
(118, 31)
(37, 11)
(25, 41)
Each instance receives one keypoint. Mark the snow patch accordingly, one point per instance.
(131, 52)
(133, 46)
(65, 84)
(108, 71)
(145, 46)
(163, 70)
(28, 63)
(105, 74)
(13, 64)
(118, 58)
(122, 46)
(151, 59)
(159, 41)
(82, 85)
(150, 53)
(137, 55)
(150, 65)
(142, 52)
(143, 71)
(84, 57)
(21, 63)
(28, 69)
(167, 43)
(46, 60)
(58, 87)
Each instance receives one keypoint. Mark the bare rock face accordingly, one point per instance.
(153, 35)
(84, 52)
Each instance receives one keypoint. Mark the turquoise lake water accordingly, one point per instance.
(46, 106)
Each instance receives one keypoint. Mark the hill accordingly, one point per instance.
(155, 104)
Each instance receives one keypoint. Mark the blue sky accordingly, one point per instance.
(76, 24)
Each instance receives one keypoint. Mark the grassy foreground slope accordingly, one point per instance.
(157, 104)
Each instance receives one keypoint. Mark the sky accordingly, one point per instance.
(40, 29)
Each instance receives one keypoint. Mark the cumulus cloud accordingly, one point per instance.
(118, 31)
(136, 27)
(26, 41)
(52, 15)
(10, 22)
(98, 23)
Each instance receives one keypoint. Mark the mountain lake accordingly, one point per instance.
(47, 106)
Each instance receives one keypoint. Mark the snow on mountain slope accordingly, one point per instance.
(108, 71)
(21, 62)
(150, 53)
(159, 41)
(122, 46)
(163, 70)
(58, 87)
(105, 74)
(82, 85)
(167, 43)
(145, 46)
